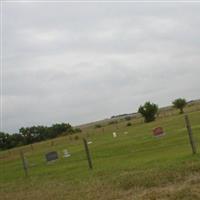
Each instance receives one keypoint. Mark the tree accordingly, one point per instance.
(9, 141)
(58, 129)
(29, 135)
(3, 140)
(148, 111)
(179, 104)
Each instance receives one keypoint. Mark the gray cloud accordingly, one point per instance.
(79, 63)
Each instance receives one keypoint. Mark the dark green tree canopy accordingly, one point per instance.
(148, 111)
(179, 104)
(29, 135)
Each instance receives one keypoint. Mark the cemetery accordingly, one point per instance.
(100, 100)
(129, 161)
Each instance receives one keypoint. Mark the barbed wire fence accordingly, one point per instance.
(27, 154)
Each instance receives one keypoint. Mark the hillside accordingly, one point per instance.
(134, 165)
(192, 105)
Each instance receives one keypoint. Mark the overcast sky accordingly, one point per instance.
(80, 62)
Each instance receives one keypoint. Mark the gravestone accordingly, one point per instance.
(89, 142)
(51, 156)
(66, 153)
(114, 134)
(158, 132)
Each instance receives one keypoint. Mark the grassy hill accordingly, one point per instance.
(192, 105)
(132, 166)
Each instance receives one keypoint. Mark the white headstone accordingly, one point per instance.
(89, 142)
(114, 134)
(66, 153)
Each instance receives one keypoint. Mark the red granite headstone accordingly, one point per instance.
(158, 131)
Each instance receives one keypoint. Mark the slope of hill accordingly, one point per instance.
(134, 165)
(192, 105)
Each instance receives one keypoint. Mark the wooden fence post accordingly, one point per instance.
(24, 163)
(189, 129)
(87, 153)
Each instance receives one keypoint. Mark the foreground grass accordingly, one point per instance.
(184, 184)
(132, 166)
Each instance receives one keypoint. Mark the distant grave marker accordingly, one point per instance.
(114, 134)
(89, 142)
(66, 153)
(51, 156)
(158, 132)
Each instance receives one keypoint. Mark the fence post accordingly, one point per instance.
(24, 163)
(189, 129)
(87, 153)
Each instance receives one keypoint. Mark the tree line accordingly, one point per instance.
(30, 135)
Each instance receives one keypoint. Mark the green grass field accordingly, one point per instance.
(132, 166)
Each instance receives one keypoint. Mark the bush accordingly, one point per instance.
(129, 124)
(98, 126)
(76, 137)
(179, 104)
(148, 111)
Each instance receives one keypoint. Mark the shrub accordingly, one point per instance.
(179, 104)
(98, 126)
(76, 137)
(148, 111)
(129, 124)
